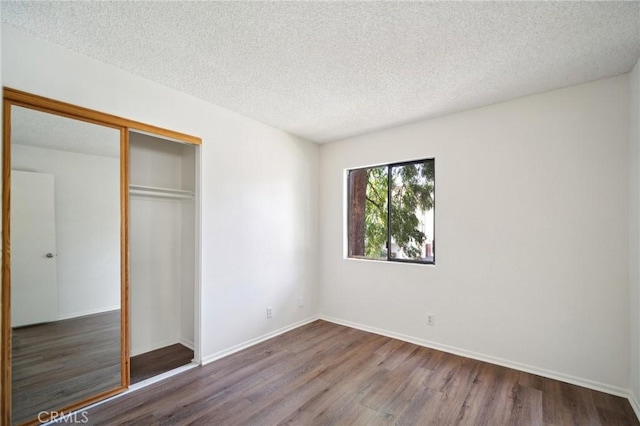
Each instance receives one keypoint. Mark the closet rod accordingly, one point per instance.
(151, 191)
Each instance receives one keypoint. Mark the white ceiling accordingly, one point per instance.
(327, 70)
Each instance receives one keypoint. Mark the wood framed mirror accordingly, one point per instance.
(65, 195)
(65, 256)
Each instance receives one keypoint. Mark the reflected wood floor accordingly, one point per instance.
(58, 363)
(156, 362)
(327, 374)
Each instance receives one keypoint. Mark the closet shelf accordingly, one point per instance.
(151, 191)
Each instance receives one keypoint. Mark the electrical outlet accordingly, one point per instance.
(269, 311)
(300, 302)
(431, 319)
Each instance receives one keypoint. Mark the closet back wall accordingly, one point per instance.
(161, 245)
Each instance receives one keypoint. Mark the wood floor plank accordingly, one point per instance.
(273, 413)
(395, 381)
(224, 404)
(504, 397)
(357, 414)
(327, 399)
(555, 411)
(352, 390)
(420, 407)
(527, 407)
(351, 357)
(326, 374)
(399, 400)
(62, 362)
(279, 401)
(452, 395)
(376, 396)
(397, 356)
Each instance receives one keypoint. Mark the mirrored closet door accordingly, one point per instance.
(64, 259)
(65, 256)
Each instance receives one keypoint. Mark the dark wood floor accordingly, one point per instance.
(326, 374)
(61, 362)
(156, 362)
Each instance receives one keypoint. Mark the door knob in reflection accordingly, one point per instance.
(49, 255)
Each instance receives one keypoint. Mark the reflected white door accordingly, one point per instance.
(34, 288)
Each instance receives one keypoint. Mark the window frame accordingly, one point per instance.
(388, 258)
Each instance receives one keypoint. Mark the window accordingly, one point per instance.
(391, 212)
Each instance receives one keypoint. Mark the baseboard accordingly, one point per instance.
(89, 312)
(602, 387)
(226, 352)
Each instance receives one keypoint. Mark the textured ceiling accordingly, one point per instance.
(327, 70)
(34, 128)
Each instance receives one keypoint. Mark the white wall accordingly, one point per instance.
(259, 188)
(531, 228)
(87, 209)
(634, 234)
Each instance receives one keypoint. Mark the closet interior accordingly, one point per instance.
(162, 247)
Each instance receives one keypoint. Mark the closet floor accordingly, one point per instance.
(150, 364)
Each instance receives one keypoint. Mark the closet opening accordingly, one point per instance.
(162, 254)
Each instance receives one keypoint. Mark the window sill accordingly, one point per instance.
(397, 262)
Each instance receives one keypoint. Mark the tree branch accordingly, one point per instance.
(374, 189)
(374, 203)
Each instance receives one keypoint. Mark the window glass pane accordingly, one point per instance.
(411, 211)
(367, 223)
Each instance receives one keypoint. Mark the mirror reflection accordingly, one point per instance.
(65, 261)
